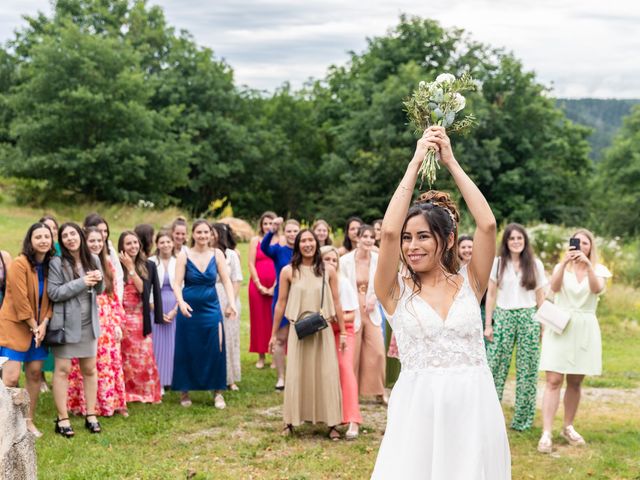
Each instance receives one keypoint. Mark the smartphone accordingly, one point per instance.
(574, 244)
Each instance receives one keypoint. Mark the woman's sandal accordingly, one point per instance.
(287, 431)
(66, 432)
(334, 434)
(93, 427)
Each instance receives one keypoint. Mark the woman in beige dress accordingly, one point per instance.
(312, 386)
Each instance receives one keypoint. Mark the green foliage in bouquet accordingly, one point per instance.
(438, 103)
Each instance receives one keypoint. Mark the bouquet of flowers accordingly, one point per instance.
(438, 103)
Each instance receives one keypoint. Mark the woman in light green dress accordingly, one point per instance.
(577, 283)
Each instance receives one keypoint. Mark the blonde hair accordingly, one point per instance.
(318, 222)
(330, 249)
(593, 251)
(291, 221)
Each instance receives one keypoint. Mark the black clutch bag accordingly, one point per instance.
(313, 322)
(55, 338)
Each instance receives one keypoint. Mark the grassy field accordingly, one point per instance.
(242, 442)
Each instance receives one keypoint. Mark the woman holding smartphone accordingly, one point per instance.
(577, 281)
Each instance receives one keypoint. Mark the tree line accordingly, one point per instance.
(104, 100)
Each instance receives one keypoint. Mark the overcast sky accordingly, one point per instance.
(582, 48)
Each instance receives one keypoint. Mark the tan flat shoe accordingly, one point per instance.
(545, 444)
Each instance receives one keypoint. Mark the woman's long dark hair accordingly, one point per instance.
(93, 220)
(373, 224)
(107, 274)
(527, 257)
(144, 231)
(346, 243)
(221, 237)
(140, 261)
(225, 235)
(84, 254)
(441, 214)
(296, 258)
(49, 217)
(30, 252)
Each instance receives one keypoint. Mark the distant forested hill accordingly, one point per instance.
(604, 116)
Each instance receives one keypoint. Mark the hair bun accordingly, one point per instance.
(440, 199)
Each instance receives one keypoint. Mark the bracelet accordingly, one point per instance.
(343, 334)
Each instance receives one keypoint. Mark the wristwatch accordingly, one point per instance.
(132, 273)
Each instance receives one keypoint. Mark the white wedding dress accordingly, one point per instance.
(444, 420)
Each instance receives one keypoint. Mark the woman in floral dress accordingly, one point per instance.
(111, 394)
(142, 381)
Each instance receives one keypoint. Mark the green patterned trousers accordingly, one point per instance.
(516, 327)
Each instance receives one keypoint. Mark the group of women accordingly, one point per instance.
(300, 271)
(517, 288)
(121, 325)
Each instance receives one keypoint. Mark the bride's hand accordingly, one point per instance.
(424, 144)
(438, 135)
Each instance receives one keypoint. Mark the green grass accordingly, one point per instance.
(242, 442)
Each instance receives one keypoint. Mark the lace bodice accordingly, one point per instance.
(425, 340)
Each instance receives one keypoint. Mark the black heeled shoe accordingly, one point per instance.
(66, 432)
(93, 427)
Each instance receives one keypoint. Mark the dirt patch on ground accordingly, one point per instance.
(589, 395)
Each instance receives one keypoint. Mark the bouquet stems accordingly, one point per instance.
(429, 166)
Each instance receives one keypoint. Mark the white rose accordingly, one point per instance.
(459, 101)
(445, 78)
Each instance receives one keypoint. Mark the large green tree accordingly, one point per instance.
(81, 119)
(617, 204)
(105, 99)
(530, 162)
(177, 141)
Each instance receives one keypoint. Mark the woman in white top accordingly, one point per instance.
(444, 419)
(369, 362)
(516, 289)
(577, 282)
(221, 233)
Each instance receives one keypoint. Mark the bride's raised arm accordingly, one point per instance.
(484, 238)
(386, 277)
(390, 241)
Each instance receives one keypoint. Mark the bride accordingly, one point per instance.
(444, 419)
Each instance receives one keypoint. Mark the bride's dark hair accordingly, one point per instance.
(442, 215)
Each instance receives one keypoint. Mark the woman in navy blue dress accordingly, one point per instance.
(200, 355)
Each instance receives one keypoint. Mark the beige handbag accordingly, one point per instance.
(552, 316)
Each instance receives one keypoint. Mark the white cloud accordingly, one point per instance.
(581, 47)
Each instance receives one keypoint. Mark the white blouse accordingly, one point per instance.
(511, 293)
(348, 295)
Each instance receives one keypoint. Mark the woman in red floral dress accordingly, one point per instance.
(142, 381)
(111, 393)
